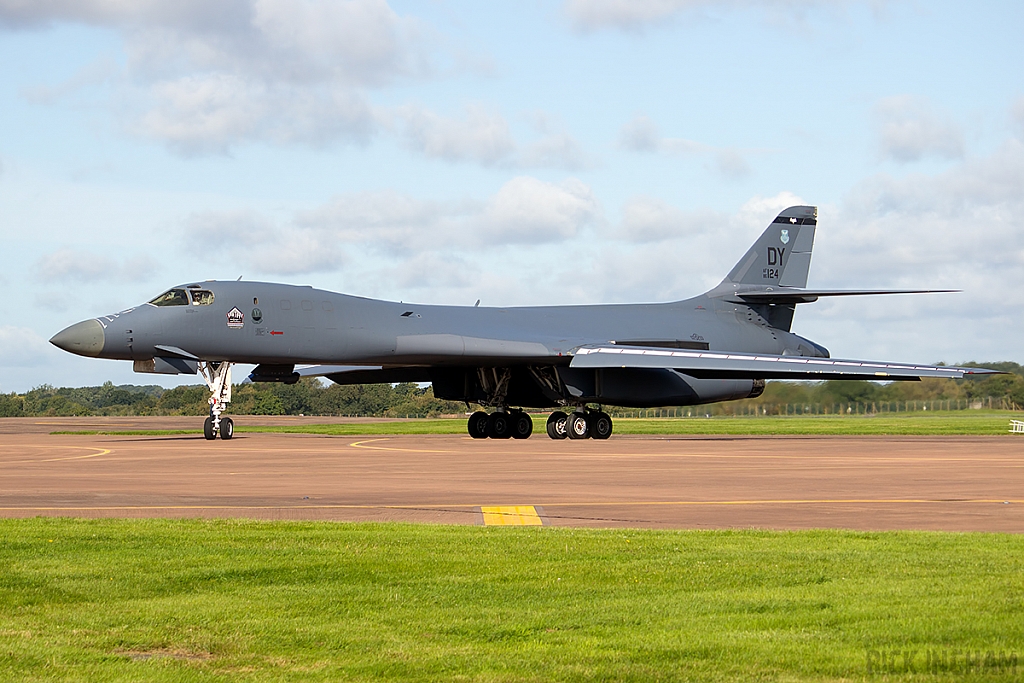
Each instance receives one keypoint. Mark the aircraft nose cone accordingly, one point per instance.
(84, 338)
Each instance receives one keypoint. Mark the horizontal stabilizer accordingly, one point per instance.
(785, 295)
(719, 365)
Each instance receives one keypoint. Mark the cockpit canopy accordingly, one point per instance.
(183, 297)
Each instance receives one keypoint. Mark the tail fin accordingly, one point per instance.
(781, 256)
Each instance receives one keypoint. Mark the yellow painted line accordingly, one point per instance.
(101, 451)
(98, 453)
(362, 444)
(511, 515)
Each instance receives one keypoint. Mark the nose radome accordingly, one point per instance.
(84, 338)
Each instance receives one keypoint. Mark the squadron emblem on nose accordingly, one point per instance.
(236, 319)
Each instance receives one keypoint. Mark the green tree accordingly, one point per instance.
(11, 405)
(267, 404)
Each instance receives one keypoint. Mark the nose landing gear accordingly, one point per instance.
(218, 378)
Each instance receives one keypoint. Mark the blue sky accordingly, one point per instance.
(520, 153)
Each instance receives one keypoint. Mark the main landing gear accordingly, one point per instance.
(502, 424)
(580, 424)
(515, 424)
(218, 378)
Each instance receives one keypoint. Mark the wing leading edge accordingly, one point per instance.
(720, 365)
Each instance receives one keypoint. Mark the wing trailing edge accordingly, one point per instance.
(725, 365)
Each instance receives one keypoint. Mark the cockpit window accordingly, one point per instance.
(174, 297)
(201, 297)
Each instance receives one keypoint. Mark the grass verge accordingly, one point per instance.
(211, 600)
(982, 422)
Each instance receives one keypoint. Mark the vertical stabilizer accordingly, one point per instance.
(781, 256)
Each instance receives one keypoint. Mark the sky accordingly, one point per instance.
(528, 152)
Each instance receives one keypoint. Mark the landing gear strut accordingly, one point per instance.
(218, 378)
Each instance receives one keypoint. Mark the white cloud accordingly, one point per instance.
(292, 41)
(260, 244)
(204, 76)
(641, 134)
(647, 219)
(557, 150)
(210, 113)
(70, 265)
(529, 210)
(20, 347)
(397, 227)
(589, 15)
(910, 129)
(484, 136)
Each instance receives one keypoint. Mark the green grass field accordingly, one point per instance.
(966, 422)
(167, 600)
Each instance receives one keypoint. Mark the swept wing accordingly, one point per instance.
(722, 365)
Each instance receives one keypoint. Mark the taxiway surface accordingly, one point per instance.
(869, 483)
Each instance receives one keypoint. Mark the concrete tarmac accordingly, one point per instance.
(687, 482)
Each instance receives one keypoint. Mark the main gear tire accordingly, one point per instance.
(556, 425)
(477, 425)
(208, 429)
(499, 426)
(577, 427)
(227, 428)
(600, 425)
(522, 425)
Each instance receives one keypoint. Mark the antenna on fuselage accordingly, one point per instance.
(477, 303)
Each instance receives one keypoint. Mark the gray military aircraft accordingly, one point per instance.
(719, 346)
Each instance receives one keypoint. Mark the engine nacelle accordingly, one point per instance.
(650, 387)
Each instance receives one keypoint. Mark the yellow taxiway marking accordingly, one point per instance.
(363, 444)
(511, 515)
(98, 453)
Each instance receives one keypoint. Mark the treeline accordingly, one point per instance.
(310, 397)
(307, 397)
(1006, 390)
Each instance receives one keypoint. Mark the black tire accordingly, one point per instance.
(556, 425)
(208, 429)
(576, 426)
(522, 425)
(477, 425)
(227, 428)
(499, 426)
(600, 425)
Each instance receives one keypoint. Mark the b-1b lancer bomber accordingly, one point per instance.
(719, 346)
